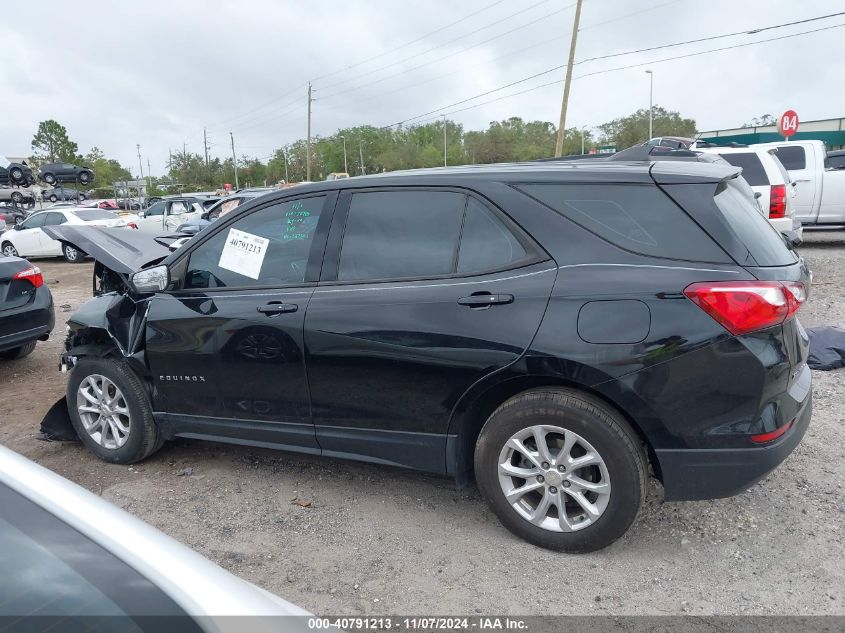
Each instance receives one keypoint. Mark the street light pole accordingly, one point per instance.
(650, 104)
(444, 140)
(583, 130)
(345, 164)
(141, 168)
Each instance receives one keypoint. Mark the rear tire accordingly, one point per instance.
(72, 254)
(117, 426)
(84, 178)
(53, 198)
(16, 175)
(18, 352)
(17, 197)
(50, 179)
(600, 499)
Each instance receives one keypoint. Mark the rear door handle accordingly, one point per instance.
(483, 299)
(277, 307)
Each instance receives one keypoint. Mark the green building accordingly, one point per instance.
(831, 131)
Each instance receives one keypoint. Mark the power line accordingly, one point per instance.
(299, 87)
(556, 68)
(628, 15)
(406, 44)
(711, 38)
(452, 41)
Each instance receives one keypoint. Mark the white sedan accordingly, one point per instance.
(28, 240)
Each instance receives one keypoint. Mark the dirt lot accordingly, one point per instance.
(381, 540)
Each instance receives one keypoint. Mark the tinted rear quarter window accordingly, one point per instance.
(638, 218)
(752, 167)
(763, 242)
(792, 156)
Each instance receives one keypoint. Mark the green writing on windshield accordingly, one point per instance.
(297, 226)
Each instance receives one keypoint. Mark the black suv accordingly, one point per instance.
(18, 174)
(51, 173)
(551, 329)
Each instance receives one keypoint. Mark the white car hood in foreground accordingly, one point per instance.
(196, 584)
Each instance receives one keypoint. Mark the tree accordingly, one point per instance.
(51, 143)
(766, 119)
(633, 129)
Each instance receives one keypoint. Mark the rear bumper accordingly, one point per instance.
(31, 322)
(787, 224)
(692, 474)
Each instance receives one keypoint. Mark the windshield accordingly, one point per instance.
(87, 215)
(4, 162)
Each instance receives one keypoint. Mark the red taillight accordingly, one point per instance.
(746, 306)
(761, 438)
(132, 225)
(32, 275)
(777, 202)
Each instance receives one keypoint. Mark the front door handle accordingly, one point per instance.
(277, 307)
(484, 299)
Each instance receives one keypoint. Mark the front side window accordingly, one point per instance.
(178, 206)
(269, 247)
(35, 221)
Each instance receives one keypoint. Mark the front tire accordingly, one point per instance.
(84, 178)
(18, 352)
(50, 179)
(72, 254)
(9, 250)
(561, 469)
(17, 197)
(53, 198)
(16, 175)
(111, 412)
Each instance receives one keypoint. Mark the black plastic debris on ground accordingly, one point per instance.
(56, 425)
(827, 348)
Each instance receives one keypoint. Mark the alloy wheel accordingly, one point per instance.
(103, 411)
(71, 254)
(553, 478)
(9, 251)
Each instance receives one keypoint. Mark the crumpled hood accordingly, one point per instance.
(122, 250)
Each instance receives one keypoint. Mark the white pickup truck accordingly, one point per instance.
(820, 191)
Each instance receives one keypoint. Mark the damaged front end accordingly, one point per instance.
(112, 323)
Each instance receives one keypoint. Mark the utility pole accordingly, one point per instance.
(205, 145)
(308, 143)
(650, 104)
(149, 175)
(345, 164)
(141, 167)
(562, 127)
(285, 154)
(444, 139)
(169, 161)
(234, 161)
(361, 156)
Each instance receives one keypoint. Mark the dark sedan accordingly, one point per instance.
(51, 173)
(26, 308)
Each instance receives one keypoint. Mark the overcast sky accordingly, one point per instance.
(155, 72)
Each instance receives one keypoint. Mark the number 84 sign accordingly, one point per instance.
(788, 123)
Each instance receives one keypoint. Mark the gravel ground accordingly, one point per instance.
(346, 538)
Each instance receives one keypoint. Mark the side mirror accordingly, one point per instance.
(757, 195)
(142, 214)
(149, 280)
(18, 227)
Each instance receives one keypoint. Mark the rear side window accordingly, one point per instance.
(486, 243)
(752, 168)
(88, 215)
(401, 234)
(638, 218)
(763, 242)
(792, 156)
(837, 161)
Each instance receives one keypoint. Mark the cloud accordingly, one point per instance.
(155, 73)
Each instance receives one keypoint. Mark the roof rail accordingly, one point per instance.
(650, 152)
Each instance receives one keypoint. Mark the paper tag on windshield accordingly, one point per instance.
(243, 253)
